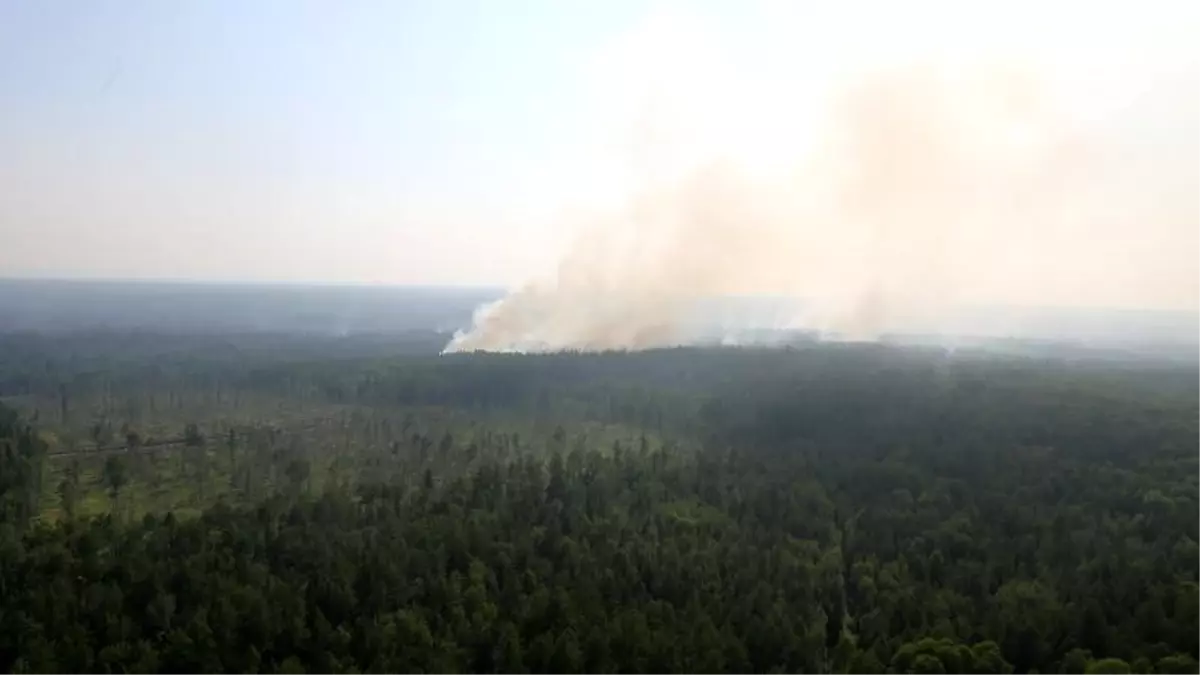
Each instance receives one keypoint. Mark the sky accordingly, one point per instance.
(280, 140)
(460, 142)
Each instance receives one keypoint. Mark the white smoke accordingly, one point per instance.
(892, 197)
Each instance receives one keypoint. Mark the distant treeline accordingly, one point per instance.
(824, 508)
(216, 308)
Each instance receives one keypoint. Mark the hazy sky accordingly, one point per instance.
(463, 142)
(281, 139)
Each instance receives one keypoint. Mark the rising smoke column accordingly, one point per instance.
(858, 228)
(633, 279)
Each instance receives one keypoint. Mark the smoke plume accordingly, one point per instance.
(916, 191)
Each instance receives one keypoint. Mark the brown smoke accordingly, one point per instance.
(923, 191)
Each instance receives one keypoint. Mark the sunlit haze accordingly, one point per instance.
(475, 143)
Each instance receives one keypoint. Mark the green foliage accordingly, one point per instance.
(1109, 665)
(21, 455)
(819, 509)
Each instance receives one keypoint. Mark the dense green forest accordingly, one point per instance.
(282, 503)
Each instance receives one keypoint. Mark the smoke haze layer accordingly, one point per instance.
(897, 197)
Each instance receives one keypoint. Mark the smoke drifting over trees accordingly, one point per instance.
(895, 197)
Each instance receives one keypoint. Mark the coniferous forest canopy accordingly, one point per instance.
(229, 500)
